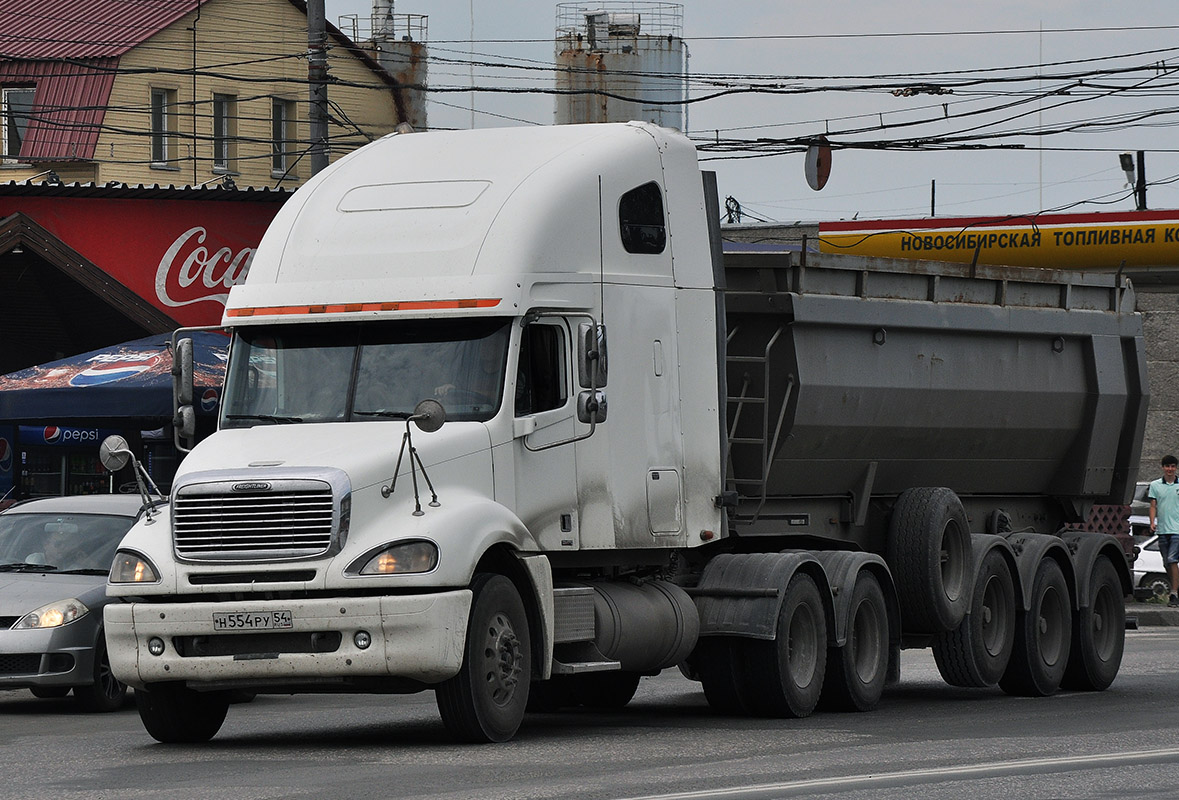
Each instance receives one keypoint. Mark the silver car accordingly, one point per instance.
(54, 557)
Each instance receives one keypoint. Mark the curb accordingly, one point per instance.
(1151, 615)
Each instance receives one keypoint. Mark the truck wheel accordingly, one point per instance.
(173, 713)
(929, 552)
(977, 652)
(856, 672)
(786, 675)
(486, 700)
(106, 693)
(1042, 636)
(718, 667)
(1099, 632)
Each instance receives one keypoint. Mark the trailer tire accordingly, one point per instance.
(977, 652)
(929, 552)
(172, 713)
(486, 700)
(1099, 632)
(786, 674)
(1042, 636)
(857, 671)
(719, 671)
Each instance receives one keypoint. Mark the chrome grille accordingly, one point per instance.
(216, 523)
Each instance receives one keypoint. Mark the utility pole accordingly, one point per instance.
(317, 78)
(1140, 186)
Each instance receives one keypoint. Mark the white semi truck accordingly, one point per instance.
(433, 470)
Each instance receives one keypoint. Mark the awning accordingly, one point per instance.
(129, 382)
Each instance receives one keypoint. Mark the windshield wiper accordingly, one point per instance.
(264, 417)
(27, 566)
(383, 413)
(83, 571)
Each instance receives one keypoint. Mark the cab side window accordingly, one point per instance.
(541, 376)
(640, 220)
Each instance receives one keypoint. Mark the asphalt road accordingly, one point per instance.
(926, 740)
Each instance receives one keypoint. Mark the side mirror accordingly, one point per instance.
(114, 453)
(184, 416)
(591, 355)
(182, 373)
(429, 415)
(591, 407)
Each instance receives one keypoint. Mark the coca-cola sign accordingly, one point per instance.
(192, 271)
(179, 255)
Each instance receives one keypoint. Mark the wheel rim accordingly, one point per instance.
(107, 684)
(1103, 622)
(503, 656)
(996, 616)
(803, 656)
(953, 561)
(866, 642)
(1050, 632)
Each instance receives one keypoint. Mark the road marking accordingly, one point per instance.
(917, 776)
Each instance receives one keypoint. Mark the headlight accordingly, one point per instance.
(400, 559)
(53, 615)
(132, 568)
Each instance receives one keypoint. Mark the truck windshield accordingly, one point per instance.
(364, 372)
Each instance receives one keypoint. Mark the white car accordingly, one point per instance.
(1147, 569)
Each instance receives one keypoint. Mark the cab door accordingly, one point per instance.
(544, 423)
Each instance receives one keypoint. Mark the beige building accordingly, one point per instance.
(176, 92)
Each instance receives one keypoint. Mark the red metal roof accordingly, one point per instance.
(68, 108)
(36, 29)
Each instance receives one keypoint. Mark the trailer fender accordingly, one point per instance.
(1030, 549)
(742, 594)
(1085, 547)
(843, 567)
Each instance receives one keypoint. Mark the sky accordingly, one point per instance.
(870, 75)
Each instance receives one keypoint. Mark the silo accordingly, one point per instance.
(620, 61)
(398, 42)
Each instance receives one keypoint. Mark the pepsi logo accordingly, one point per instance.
(5, 455)
(51, 434)
(108, 368)
(209, 400)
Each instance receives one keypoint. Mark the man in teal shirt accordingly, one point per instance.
(1164, 520)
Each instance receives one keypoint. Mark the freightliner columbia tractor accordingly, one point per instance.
(433, 469)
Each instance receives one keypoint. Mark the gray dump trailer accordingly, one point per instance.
(961, 422)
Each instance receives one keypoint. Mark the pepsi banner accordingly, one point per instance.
(59, 436)
(127, 382)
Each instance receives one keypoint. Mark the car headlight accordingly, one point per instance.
(399, 559)
(132, 568)
(53, 615)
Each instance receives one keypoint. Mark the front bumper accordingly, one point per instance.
(417, 637)
(62, 656)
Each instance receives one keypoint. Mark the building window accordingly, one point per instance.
(16, 106)
(224, 131)
(163, 116)
(281, 127)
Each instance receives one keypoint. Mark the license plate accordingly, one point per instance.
(251, 620)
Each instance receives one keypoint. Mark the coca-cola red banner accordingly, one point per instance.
(179, 255)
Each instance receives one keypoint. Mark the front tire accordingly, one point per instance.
(1099, 632)
(172, 713)
(486, 700)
